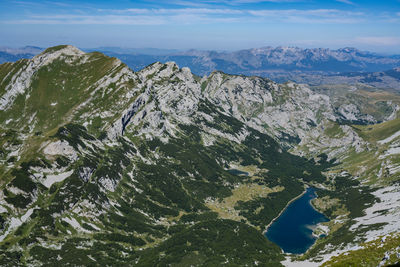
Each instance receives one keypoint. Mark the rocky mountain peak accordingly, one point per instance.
(24, 72)
(63, 49)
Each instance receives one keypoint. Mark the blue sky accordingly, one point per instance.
(203, 24)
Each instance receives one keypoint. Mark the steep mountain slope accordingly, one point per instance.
(104, 166)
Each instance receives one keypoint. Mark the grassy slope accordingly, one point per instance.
(372, 253)
(58, 95)
(179, 194)
(376, 132)
(367, 166)
(155, 204)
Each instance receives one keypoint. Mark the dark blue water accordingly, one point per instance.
(291, 231)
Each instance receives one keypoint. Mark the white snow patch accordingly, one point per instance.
(51, 179)
(61, 148)
(390, 151)
(93, 225)
(287, 262)
(16, 222)
(321, 257)
(2, 209)
(14, 153)
(208, 140)
(74, 223)
(27, 215)
(322, 228)
(107, 183)
(390, 138)
(15, 190)
(390, 204)
(91, 257)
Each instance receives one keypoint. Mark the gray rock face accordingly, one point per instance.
(293, 114)
(351, 113)
(162, 95)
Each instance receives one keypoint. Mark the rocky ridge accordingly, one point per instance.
(94, 158)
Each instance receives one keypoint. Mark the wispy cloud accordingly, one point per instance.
(91, 20)
(178, 18)
(229, 2)
(156, 16)
(312, 16)
(254, 1)
(171, 11)
(26, 3)
(346, 2)
(61, 4)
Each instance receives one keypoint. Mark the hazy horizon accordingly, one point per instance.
(227, 25)
(103, 48)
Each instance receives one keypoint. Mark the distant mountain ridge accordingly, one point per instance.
(314, 66)
(321, 59)
(29, 49)
(252, 61)
(8, 54)
(266, 60)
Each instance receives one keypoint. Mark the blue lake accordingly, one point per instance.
(292, 230)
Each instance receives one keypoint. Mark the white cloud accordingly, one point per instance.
(345, 2)
(93, 20)
(311, 12)
(256, 1)
(230, 2)
(157, 16)
(223, 11)
(312, 15)
(185, 18)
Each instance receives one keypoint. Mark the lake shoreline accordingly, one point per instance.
(293, 230)
(287, 205)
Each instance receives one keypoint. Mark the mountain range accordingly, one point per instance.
(8, 54)
(311, 66)
(102, 165)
